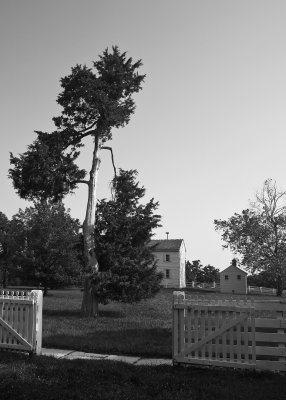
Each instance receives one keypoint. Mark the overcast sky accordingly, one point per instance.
(210, 122)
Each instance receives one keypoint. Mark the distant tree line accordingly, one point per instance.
(196, 272)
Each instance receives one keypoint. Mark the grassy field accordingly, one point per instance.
(45, 378)
(131, 329)
(143, 329)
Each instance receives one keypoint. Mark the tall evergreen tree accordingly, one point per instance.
(124, 227)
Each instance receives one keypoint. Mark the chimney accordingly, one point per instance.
(167, 233)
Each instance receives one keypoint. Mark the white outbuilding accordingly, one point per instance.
(233, 279)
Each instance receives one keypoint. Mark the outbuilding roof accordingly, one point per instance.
(234, 266)
(165, 244)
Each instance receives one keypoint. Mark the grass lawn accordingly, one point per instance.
(143, 329)
(130, 329)
(46, 378)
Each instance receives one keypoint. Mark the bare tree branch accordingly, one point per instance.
(81, 181)
(112, 158)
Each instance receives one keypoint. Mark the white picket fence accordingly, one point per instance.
(21, 320)
(261, 290)
(213, 286)
(238, 333)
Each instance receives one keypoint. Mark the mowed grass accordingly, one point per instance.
(47, 378)
(143, 329)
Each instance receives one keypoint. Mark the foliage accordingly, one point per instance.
(7, 247)
(263, 278)
(124, 227)
(93, 102)
(47, 240)
(259, 234)
(195, 271)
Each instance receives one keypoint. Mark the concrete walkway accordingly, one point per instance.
(71, 355)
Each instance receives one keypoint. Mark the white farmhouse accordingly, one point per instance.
(233, 279)
(171, 261)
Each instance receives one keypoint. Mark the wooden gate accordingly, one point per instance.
(21, 320)
(227, 332)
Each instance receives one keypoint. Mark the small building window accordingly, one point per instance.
(226, 277)
(167, 257)
(239, 277)
(167, 274)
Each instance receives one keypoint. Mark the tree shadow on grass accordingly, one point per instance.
(154, 342)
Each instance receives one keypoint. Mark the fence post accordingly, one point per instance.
(280, 316)
(178, 297)
(38, 315)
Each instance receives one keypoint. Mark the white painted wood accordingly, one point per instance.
(21, 320)
(224, 332)
(38, 316)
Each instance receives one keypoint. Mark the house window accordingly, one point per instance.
(239, 277)
(167, 257)
(167, 274)
(226, 277)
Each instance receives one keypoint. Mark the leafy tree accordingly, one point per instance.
(258, 234)
(94, 100)
(124, 228)
(194, 271)
(7, 248)
(210, 274)
(263, 278)
(47, 240)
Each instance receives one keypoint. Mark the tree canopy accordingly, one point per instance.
(7, 247)
(195, 271)
(124, 227)
(93, 100)
(258, 234)
(47, 246)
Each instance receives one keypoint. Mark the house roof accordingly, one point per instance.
(234, 266)
(166, 244)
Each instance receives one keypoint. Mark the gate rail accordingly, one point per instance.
(239, 333)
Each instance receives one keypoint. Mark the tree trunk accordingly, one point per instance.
(89, 307)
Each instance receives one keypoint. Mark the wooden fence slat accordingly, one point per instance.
(224, 341)
(196, 328)
(189, 327)
(253, 337)
(181, 330)
(231, 340)
(175, 332)
(238, 339)
(203, 330)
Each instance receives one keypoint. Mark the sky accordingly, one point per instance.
(209, 125)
